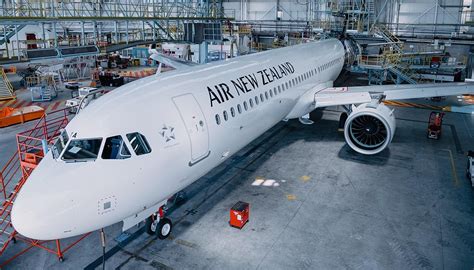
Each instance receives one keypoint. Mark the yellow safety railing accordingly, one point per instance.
(8, 85)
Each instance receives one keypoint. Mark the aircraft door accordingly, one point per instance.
(196, 126)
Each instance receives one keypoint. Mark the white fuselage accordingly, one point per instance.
(192, 119)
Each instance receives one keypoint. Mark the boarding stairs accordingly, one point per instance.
(6, 88)
(8, 31)
(16, 171)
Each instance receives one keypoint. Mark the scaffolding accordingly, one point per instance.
(94, 22)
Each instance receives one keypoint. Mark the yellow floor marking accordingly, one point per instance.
(305, 178)
(291, 197)
(453, 169)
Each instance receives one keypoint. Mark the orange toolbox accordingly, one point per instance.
(239, 214)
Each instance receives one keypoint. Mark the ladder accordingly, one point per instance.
(6, 88)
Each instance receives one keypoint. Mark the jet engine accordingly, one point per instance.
(369, 128)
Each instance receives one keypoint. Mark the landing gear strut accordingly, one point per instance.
(158, 225)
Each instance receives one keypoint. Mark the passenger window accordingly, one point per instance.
(279, 89)
(245, 105)
(271, 93)
(239, 108)
(232, 111)
(218, 119)
(82, 149)
(266, 95)
(251, 103)
(256, 100)
(261, 97)
(139, 144)
(225, 115)
(286, 85)
(275, 91)
(115, 148)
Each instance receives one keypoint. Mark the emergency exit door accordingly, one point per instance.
(196, 126)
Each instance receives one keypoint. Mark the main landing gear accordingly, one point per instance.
(158, 224)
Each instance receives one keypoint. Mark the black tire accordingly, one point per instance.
(164, 228)
(151, 224)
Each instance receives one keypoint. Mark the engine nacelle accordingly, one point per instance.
(370, 127)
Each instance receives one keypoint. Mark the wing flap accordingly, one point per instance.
(332, 96)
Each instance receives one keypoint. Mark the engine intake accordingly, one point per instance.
(369, 129)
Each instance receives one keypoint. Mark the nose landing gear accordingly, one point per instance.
(159, 225)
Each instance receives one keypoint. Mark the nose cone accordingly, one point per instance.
(39, 210)
(32, 214)
(24, 220)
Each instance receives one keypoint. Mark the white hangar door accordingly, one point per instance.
(196, 126)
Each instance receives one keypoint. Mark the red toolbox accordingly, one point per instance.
(239, 214)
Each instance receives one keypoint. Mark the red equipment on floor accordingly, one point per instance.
(239, 214)
(434, 125)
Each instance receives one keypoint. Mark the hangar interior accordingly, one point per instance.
(314, 202)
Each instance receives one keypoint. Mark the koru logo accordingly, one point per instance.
(167, 132)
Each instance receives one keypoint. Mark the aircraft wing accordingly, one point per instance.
(333, 96)
(171, 61)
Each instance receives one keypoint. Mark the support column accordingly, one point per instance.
(126, 32)
(6, 43)
(83, 35)
(203, 52)
(95, 33)
(17, 42)
(116, 33)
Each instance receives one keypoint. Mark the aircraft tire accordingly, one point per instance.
(164, 228)
(151, 224)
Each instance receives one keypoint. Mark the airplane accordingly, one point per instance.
(123, 156)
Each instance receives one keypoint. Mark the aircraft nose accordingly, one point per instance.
(35, 212)
(28, 217)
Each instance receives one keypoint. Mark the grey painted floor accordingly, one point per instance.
(321, 206)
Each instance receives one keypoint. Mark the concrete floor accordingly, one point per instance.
(320, 206)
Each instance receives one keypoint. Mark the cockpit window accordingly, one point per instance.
(115, 148)
(82, 149)
(59, 144)
(139, 143)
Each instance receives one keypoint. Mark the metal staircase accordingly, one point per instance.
(8, 31)
(6, 88)
(403, 74)
(161, 31)
(384, 33)
(16, 171)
